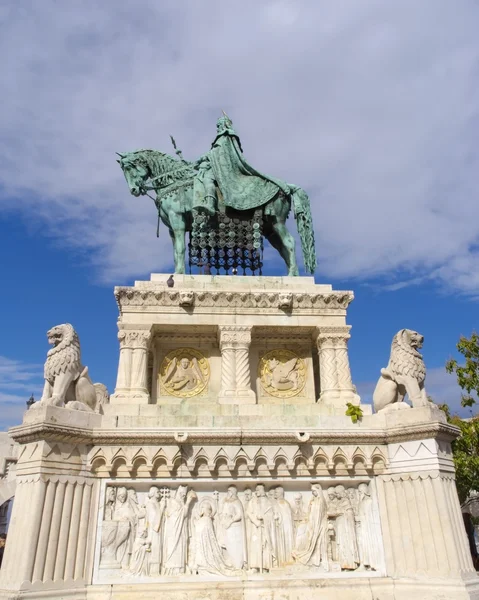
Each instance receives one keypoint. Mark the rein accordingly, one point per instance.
(155, 200)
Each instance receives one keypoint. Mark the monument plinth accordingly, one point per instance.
(224, 465)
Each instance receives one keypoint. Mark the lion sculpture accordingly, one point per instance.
(66, 380)
(405, 374)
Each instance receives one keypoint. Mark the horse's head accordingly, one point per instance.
(136, 171)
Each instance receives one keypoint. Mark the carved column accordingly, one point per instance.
(335, 375)
(132, 380)
(235, 341)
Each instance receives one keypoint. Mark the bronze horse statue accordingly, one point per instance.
(174, 180)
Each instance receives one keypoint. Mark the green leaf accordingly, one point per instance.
(355, 412)
(467, 401)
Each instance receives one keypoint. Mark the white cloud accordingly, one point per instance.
(372, 107)
(17, 382)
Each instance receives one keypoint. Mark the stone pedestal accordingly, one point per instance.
(225, 467)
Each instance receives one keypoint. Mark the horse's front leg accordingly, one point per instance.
(178, 236)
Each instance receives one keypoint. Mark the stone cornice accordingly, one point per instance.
(77, 435)
(161, 298)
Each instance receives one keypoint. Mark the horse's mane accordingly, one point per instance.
(160, 162)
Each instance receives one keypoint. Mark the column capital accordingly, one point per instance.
(234, 336)
(134, 338)
(333, 336)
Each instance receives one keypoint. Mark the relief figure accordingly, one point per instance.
(313, 552)
(347, 546)
(300, 522)
(260, 545)
(176, 531)
(232, 528)
(285, 534)
(368, 547)
(154, 510)
(183, 374)
(207, 551)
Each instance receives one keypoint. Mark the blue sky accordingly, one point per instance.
(372, 107)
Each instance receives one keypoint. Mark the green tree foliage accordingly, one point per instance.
(466, 455)
(466, 447)
(467, 374)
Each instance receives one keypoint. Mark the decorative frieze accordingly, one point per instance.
(161, 298)
(186, 459)
(247, 529)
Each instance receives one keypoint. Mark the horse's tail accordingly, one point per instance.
(304, 220)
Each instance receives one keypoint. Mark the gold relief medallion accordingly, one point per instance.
(282, 373)
(184, 373)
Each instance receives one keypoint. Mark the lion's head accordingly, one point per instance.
(405, 357)
(65, 353)
(57, 334)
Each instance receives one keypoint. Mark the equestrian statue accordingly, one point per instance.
(221, 181)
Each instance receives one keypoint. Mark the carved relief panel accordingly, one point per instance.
(187, 365)
(184, 372)
(282, 373)
(283, 366)
(204, 529)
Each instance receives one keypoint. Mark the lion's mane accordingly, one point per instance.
(405, 359)
(65, 356)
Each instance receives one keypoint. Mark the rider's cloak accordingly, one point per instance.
(241, 186)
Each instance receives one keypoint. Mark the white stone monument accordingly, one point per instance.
(224, 467)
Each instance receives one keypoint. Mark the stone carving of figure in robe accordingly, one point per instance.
(314, 550)
(332, 514)
(113, 533)
(176, 531)
(247, 495)
(110, 503)
(353, 495)
(273, 523)
(154, 510)
(300, 522)
(260, 544)
(137, 510)
(124, 514)
(346, 540)
(285, 533)
(368, 545)
(232, 528)
(183, 374)
(207, 551)
(140, 558)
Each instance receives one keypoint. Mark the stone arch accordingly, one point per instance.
(140, 467)
(7, 490)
